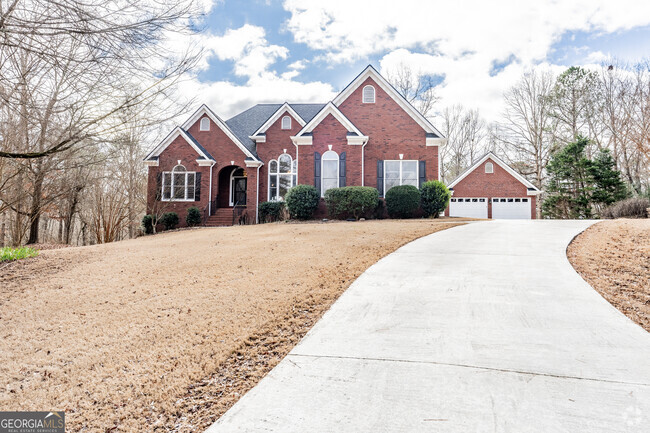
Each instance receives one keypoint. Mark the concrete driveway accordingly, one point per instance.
(480, 328)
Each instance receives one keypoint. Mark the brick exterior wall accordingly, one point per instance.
(179, 149)
(391, 131)
(479, 184)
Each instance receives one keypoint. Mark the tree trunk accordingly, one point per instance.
(35, 212)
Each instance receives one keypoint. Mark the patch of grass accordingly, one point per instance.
(8, 254)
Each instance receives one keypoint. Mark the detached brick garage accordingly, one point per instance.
(490, 188)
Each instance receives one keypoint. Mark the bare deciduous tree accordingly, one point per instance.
(466, 132)
(416, 87)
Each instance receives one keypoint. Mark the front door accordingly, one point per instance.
(239, 191)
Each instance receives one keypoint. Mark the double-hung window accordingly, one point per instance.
(178, 184)
(400, 173)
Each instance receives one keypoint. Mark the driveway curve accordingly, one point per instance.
(479, 328)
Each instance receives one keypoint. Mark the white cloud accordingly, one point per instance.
(460, 40)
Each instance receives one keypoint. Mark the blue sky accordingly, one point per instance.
(304, 51)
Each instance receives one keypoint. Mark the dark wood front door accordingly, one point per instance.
(239, 192)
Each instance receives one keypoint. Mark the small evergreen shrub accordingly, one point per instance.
(147, 224)
(302, 201)
(434, 198)
(630, 208)
(351, 201)
(193, 217)
(402, 201)
(8, 254)
(271, 211)
(169, 220)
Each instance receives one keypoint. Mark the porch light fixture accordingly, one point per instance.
(401, 156)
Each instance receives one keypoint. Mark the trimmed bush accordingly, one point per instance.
(8, 254)
(169, 220)
(193, 217)
(402, 201)
(302, 201)
(271, 211)
(351, 201)
(630, 208)
(147, 224)
(434, 198)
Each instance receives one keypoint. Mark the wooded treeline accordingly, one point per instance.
(545, 112)
(82, 83)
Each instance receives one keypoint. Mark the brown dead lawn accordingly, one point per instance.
(166, 332)
(614, 257)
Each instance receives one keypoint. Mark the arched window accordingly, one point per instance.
(178, 184)
(489, 167)
(282, 176)
(286, 122)
(205, 124)
(329, 171)
(368, 95)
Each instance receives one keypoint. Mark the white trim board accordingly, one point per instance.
(371, 72)
(170, 138)
(329, 108)
(204, 109)
(503, 165)
(285, 108)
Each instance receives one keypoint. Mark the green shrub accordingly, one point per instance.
(193, 217)
(355, 201)
(147, 224)
(271, 211)
(302, 201)
(169, 220)
(402, 201)
(8, 254)
(434, 198)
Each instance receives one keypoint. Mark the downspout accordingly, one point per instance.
(210, 191)
(257, 196)
(363, 177)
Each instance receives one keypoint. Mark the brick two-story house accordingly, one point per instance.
(369, 135)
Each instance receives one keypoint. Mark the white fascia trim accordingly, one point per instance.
(285, 108)
(258, 138)
(254, 163)
(332, 109)
(306, 140)
(357, 140)
(502, 164)
(151, 163)
(205, 162)
(171, 137)
(204, 109)
(436, 141)
(371, 72)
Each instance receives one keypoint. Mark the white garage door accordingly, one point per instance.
(468, 207)
(511, 208)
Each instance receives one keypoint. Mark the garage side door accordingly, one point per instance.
(511, 208)
(468, 207)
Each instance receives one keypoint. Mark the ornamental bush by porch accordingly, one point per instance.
(355, 201)
(302, 201)
(402, 201)
(271, 211)
(193, 217)
(434, 198)
(147, 224)
(169, 220)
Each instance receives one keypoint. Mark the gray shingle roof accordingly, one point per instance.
(247, 122)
